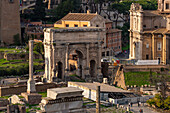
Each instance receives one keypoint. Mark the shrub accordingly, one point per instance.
(159, 102)
(22, 55)
(151, 102)
(167, 103)
(16, 40)
(18, 70)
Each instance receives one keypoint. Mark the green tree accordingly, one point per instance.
(39, 10)
(39, 47)
(167, 103)
(125, 34)
(159, 101)
(124, 7)
(64, 8)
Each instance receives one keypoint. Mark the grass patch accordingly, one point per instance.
(44, 94)
(138, 78)
(89, 103)
(10, 50)
(5, 97)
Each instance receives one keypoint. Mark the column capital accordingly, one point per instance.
(87, 46)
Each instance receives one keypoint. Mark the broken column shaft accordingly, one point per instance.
(31, 82)
(98, 99)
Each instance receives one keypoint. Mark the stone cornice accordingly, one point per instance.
(60, 30)
(60, 100)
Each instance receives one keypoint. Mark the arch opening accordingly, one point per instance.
(59, 70)
(76, 62)
(93, 68)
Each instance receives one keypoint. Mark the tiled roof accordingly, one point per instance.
(155, 13)
(78, 17)
(59, 22)
(113, 30)
(156, 31)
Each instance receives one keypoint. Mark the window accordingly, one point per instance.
(147, 45)
(144, 26)
(114, 16)
(75, 25)
(97, 25)
(67, 25)
(156, 26)
(103, 54)
(11, 1)
(105, 17)
(107, 53)
(84, 25)
(159, 46)
(147, 57)
(167, 5)
(159, 36)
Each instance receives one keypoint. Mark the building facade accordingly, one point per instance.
(112, 42)
(149, 33)
(60, 43)
(9, 20)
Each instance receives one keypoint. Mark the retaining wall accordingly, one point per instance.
(18, 89)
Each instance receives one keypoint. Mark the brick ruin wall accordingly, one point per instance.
(144, 68)
(20, 56)
(18, 89)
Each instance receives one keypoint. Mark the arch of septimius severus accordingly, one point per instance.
(60, 43)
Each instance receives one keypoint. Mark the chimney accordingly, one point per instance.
(88, 11)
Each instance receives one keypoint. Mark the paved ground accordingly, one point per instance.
(145, 108)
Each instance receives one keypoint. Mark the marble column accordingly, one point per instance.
(67, 61)
(99, 75)
(54, 78)
(31, 82)
(87, 62)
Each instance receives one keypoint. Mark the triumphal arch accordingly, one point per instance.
(87, 43)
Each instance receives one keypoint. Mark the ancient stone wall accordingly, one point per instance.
(144, 68)
(20, 56)
(3, 102)
(9, 90)
(9, 20)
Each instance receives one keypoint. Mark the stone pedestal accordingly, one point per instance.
(32, 98)
(63, 100)
(31, 86)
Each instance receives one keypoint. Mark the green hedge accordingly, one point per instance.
(19, 70)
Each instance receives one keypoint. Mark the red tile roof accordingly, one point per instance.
(77, 17)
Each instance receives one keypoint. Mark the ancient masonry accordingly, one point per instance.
(66, 100)
(86, 42)
(9, 20)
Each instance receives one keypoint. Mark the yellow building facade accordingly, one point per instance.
(81, 20)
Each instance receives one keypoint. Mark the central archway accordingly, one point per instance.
(76, 62)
